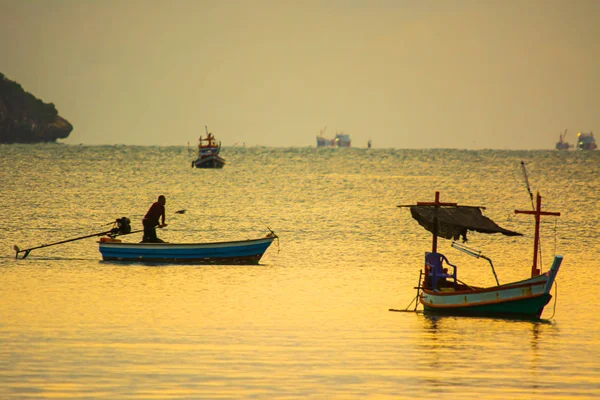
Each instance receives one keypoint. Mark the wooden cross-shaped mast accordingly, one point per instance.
(536, 241)
(437, 204)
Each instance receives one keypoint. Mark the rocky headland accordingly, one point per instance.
(26, 119)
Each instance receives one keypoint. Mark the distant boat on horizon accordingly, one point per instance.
(561, 144)
(208, 153)
(586, 141)
(340, 140)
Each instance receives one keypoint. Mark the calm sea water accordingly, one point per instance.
(312, 320)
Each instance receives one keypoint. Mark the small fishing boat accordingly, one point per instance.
(562, 144)
(441, 292)
(113, 249)
(241, 252)
(208, 152)
(323, 142)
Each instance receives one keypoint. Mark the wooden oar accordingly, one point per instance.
(26, 251)
(113, 232)
(116, 231)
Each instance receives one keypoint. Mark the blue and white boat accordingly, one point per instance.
(240, 252)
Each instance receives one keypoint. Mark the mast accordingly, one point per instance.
(437, 204)
(536, 241)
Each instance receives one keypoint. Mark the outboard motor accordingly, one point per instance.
(122, 227)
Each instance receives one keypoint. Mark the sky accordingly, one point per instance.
(405, 74)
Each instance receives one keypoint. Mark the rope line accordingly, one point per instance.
(555, 299)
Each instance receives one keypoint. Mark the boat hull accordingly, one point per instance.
(524, 300)
(242, 252)
(210, 161)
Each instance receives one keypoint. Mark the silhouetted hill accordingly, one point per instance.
(26, 119)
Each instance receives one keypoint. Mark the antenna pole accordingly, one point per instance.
(527, 182)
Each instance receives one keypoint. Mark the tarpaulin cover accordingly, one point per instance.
(454, 222)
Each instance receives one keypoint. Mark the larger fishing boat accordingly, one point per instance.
(440, 290)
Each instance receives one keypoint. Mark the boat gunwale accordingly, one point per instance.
(171, 245)
(538, 280)
(481, 303)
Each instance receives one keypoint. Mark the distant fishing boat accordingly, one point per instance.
(340, 140)
(441, 292)
(323, 142)
(586, 141)
(561, 144)
(208, 152)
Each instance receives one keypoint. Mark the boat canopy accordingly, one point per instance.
(454, 222)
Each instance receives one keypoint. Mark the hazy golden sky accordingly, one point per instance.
(499, 74)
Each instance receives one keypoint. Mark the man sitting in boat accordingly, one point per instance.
(155, 213)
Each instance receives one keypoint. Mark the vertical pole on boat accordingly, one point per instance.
(536, 241)
(536, 238)
(436, 204)
(435, 222)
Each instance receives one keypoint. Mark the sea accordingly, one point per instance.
(313, 319)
